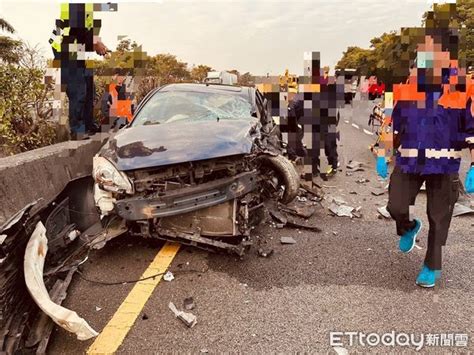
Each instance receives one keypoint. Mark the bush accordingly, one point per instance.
(24, 115)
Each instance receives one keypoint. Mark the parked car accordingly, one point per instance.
(195, 165)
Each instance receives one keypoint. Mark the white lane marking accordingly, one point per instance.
(368, 132)
(355, 126)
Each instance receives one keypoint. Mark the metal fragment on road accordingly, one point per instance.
(378, 192)
(384, 212)
(341, 210)
(187, 318)
(287, 240)
(168, 276)
(460, 210)
(188, 303)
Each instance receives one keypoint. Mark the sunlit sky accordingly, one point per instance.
(260, 36)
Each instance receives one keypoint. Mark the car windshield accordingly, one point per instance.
(174, 106)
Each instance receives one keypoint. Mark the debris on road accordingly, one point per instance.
(341, 351)
(98, 309)
(287, 240)
(341, 210)
(378, 191)
(187, 318)
(168, 276)
(354, 166)
(356, 213)
(362, 181)
(287, 221)
(264, 253)
(34, 260)
(189, 303)
(304, 210)
(384, 212)
(460, 210)
(338, 201)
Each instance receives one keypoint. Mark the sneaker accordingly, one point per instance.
(331, 172)
(427, 277)
(408, 240)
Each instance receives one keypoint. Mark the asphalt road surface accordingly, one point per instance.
(348, 278)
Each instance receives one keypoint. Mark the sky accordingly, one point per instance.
(259, 36)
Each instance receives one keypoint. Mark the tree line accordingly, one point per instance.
(390, 54)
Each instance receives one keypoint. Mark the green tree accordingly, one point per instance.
(199, 73)
(9, 48)
(246, 79)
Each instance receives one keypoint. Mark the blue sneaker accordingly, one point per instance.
(407, 241)
(427, 277)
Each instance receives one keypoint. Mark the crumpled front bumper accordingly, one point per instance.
(187, 199)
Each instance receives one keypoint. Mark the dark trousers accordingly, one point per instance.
(442, 192)
(79, 84)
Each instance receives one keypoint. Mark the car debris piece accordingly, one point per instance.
(378, 192)
(264, 252)
(384, 212)
(303, 210)
(187, 318)
(354, 165)
(35, 255)
(287, 240)
(338, 201)
(188, 303)
(460, 210)
(362, 181)
(168, 276)
(340, 350)
(278, 216)
(341, 210)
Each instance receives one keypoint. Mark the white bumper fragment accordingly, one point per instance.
(33, 268)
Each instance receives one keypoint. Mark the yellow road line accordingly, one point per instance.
(117, 329)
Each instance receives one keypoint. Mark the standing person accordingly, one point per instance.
(75, 37)
(432, 122)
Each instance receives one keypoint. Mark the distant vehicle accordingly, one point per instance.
(221, 77)
(351, 83)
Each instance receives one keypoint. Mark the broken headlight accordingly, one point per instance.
(109, 178)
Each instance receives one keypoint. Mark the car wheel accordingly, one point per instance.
(286, 173)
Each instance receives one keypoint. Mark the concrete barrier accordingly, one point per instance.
(43, 173)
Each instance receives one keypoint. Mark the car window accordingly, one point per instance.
(174, 106)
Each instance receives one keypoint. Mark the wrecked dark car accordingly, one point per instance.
(195, 165)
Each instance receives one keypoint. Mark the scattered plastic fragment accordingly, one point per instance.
(342, 210)
(383, 211)
(187, 318)
(460, 210)
(287, 240)
(168, 276)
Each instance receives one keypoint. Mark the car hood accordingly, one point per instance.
(157, 145)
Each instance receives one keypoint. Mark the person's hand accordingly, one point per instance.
(382, 169)
(469, 184)
(100, 48)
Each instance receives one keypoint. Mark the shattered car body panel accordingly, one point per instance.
(35, 256)
(72, 228)
(196, 161)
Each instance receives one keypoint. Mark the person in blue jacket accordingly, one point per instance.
(432, 123)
